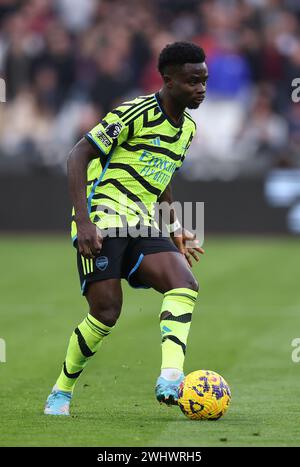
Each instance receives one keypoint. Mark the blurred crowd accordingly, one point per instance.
(66, 63)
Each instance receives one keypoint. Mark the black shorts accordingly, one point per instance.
(120, 258)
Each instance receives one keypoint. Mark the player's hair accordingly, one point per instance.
(178, 54)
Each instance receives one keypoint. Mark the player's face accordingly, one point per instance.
(188, 84)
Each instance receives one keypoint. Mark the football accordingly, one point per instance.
(204, 395)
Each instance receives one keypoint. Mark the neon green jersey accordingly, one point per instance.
(139, 150)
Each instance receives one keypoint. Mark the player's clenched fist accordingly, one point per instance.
(89, 239)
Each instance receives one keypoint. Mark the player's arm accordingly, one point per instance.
(178, 234)
(88, 236)
(99, 142)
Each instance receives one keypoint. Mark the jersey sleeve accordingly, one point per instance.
(108, 134)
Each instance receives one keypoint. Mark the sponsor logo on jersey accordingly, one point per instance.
(157, 162)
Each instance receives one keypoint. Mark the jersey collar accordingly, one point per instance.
(160, 105)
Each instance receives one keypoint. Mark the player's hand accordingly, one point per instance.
(89, 239)
(188, 245)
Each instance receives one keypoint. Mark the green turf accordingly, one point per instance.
(247, 314)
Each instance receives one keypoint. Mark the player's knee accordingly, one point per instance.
(106, 312)
(186, 282)
(190, 282)
(193, 284)
(107, 315)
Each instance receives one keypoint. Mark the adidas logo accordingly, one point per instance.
(156, 141)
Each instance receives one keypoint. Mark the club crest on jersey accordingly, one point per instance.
(101, 262)
(113, 130)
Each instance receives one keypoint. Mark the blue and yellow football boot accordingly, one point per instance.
(166, 391)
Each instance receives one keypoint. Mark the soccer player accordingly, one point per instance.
(117, 172)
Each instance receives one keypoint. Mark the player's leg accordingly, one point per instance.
(169, 273)
(105, 302)
(166, 270)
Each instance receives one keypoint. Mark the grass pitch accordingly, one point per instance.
(246, 317)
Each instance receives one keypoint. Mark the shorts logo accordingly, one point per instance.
(113, 130)
(102, 262)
